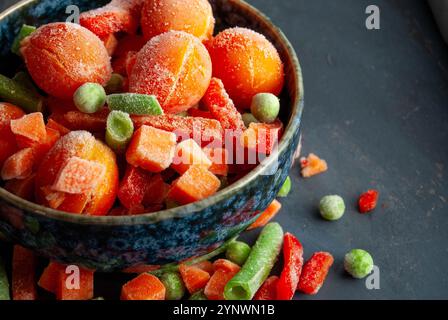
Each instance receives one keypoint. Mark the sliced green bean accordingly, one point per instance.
(285, 189)
(18, 94)
(175, 288)
(24, 32)
(257, 266)
(119, 130)
(25, 80)
(198, 296)
(4, 283)
(238, 252)
(134, 103)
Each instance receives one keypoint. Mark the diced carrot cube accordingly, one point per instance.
(267, 215)
(226, 265)
(79, 176)
(156, 191)
(188, 153)
(23, 188)
(222, 108)
(40, 148)
(50, 277)
(55, 198)
(194, 278)
(69, 288)
(268, 291)
(144, 287)
(8, 145)
(262, 137)
(23, 270)
(219, 158)
(195, 184)
(225, 271)
(19, 165)
(110, 42)
(52, 124)
(133, 187)
(151, 149)
(31, 126)
(206, 266)
(313, 165)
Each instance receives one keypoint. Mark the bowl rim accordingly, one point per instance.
(297, 103)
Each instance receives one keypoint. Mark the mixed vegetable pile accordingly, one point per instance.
(138, 109)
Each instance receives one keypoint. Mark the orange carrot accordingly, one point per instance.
(31, 126)
(225, 270)
(194, 278)
(23, 271)
(188, 153)
(219, 158)
(267, 215)
(19, 165)
(68, 287)
(144, 287)
(206, 265)
(50, 277)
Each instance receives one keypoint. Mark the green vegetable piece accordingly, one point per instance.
(285, 189)
(358, 263)
(119, 130)
(4, 283)
(24, 79)
(249, 118)
(265, 107)
(332, 207)
(134, 103)
(90, 97)
(24, 32)
(115, 84)
(238, 252)
(257, 266)
(18, 94)
(175, 288)
(198, 296)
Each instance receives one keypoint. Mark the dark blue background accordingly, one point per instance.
(376, 108)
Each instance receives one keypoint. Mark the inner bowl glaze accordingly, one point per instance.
(113, 243)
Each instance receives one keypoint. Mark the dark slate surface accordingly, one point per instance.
(377, 111)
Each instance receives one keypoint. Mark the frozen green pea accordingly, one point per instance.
(332, 207)
(285, 189)
(115, 84)
(265, 107)
(175, 288)
(198, 296)
(238, 252)
(134, 103)
(119, 130)
(358, 263)
(20, 95)
(24, 32)
(249, 118)
(90, 97)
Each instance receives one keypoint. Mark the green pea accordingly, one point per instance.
(238, 252)
(24, 32)
(175, 288)
(359, 263)
(285, 189)
(265, 107)
(90, 97)
(119, 130)
(198, 296)
(134, 103)
(115, 84)
(249, 118)
(332, 207)
(4, 283)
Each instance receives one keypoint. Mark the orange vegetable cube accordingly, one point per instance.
(219, 158)
(188, 153)
(31, 126)
(267, 215)
(151, 149)
(194, 278)
(313, 165)
(19, 165)
(225, 270)
(195, 184)
(8, 145)
(50, 277)
(40, 148)
(144, 287)
(23, 270)
(68, 289)
(262, 137)
(133, 187)
(54, 198)
(79, 176)
(206, 266)
(226, 265)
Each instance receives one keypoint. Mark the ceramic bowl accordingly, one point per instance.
(114, 243)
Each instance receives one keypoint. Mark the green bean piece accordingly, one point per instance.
(285, 189)
(24, 32)
(175, 288)
(257, 266)
(198, 296)
(18, 94)
(238, 252)
(134, 103)
(119, 130)
(25, 80)
(4, 283)
(115, 84)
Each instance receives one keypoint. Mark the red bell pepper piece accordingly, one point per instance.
(293, 262)
(314, 272)
(268, 290)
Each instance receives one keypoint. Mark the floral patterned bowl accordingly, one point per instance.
(114, 243)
